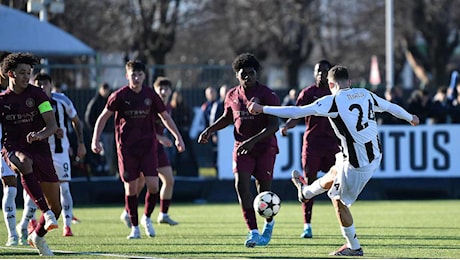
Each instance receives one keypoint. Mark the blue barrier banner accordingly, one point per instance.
(408, 152)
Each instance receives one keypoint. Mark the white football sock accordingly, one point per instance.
(349, 233)
(306, 225)
(29, 210)
(67, 204)
(313, 190)
(9, 209)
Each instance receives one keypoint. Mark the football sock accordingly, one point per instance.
(306, 225)
(67, 204)
(40, 229)
(313, 190)
(9, 209)
(150, 202)
(164, 205)
(30, 183)
(250, 218)
(349, 233)
(132, 204)
(29, 210)
(307, 209)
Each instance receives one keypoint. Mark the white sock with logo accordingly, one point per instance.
(9, 209)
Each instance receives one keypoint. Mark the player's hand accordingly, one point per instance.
(284, 130)
(415, 120)
(81, 151)
(180, 145)
(59, 133)
(244, 148)
(254, 108)
(32, 136)
(96, 147)
(204, 137)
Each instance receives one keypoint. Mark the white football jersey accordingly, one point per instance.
(352, 116)
(64, 111)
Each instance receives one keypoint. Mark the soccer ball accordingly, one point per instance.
(267, 204)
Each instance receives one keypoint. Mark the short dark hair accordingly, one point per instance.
(3, 54)
(11, 61)
(135, 65)
(162, 81)
(42, 76)
(338, 73)
(245, 60)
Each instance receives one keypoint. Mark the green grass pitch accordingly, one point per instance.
(386, 229)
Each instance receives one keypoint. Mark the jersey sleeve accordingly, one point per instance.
(322, 107)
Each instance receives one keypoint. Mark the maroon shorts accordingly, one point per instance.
(163, 160)
(260, 166)
(319, 160)
(42, 166)
(133, 162)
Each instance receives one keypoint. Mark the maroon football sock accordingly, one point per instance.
(31, 185)
(250, 218)
(307, 211)
(164, 205)
(40, 229)
(150, 202)
(132, 204)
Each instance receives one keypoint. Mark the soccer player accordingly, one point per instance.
(9, 182)
(255, 146)
(352, 115)
(28, 120)
(162, 87)
(135, 106)
(319, 141)
(59, 144)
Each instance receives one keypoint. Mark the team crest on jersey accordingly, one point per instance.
(30, 102)
(148, 101)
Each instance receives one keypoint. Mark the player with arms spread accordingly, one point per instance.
(28, 120)
(352, 116)
(134, 106)
(255, 147)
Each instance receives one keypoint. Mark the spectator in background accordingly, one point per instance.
(211, 97)
(184, 163)
(454, 106)
(217, 110)
(291, 98)
(420, 103)
(440, 107)
(101, 164)
(396, 96)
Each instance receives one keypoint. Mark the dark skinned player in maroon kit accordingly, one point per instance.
(319, 141)
(255, 146)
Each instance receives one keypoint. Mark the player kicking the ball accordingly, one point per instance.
(352, 116)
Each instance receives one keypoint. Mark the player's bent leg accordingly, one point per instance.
(166, 193)
(51, 191)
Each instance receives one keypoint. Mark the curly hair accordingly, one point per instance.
(12, 61)
(245, 60)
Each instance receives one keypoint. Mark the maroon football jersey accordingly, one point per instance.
(134, 116)
(20, 116)
(318, 131)
(247, 125)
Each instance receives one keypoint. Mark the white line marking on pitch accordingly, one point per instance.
(80, 253)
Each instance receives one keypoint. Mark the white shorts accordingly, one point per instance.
(61, 162)
(350, 181)
(6, 170)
